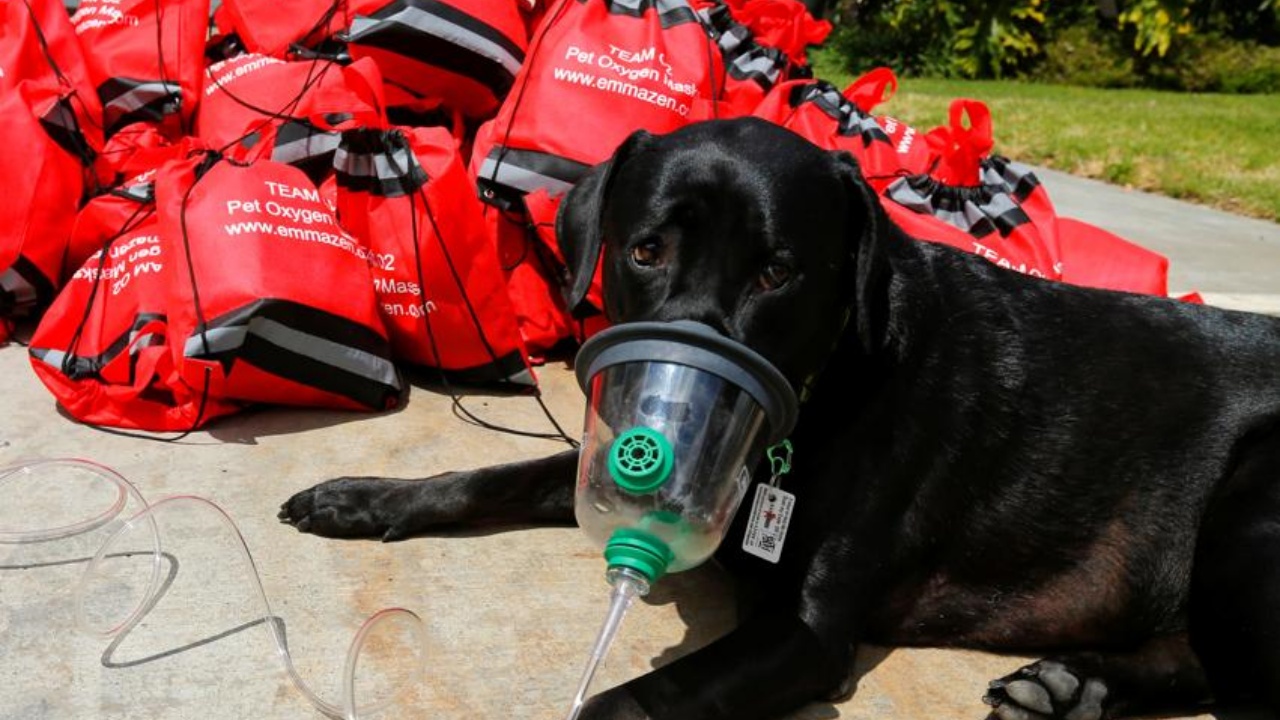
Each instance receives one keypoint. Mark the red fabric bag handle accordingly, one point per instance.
(960, 146)
(873, 88)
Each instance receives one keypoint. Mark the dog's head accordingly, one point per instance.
(739, 224)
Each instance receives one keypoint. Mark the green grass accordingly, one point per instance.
(1217, 150)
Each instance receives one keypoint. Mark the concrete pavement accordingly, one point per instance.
(509, 616)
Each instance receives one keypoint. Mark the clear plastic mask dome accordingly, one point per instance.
(677, 418)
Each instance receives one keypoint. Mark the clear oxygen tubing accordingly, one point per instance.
(347, 710)
(627, 586)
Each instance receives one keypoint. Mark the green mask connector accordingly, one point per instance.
(641, 460)
(639, 551)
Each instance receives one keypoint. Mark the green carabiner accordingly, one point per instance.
(780, 465)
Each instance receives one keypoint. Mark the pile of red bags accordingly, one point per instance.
(289, 202)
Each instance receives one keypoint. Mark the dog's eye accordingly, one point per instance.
(647, 253)
(775, 275)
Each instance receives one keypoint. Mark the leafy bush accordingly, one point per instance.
(1193, 45)
(1088, 56)
(1155, 24)
(948, 38)
(1211, 63)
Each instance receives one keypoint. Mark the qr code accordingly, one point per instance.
(768, 543)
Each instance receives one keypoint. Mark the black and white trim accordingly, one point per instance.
(507, 174)
(126, 101)
(379, 162)
(436, 34)
(303, 344)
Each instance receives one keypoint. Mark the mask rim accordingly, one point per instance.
(696, 345)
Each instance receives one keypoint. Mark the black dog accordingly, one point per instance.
(983, 459)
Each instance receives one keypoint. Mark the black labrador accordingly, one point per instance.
(983, 459)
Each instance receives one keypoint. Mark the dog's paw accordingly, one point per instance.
(354, 508)
(1046, 690)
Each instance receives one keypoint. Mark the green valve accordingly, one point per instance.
(640, 551)
(640, 460)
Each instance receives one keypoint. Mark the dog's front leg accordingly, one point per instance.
(527, 491)
(795, 649)
(769, 665)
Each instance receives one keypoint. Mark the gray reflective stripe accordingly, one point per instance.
(1012, 177)
(24, 293)
(52, 358)
(375, 165)
(142, 192)
(318, 143)
(61, 115)
(429, 24)
(999, 205)
(57, 358)
(829, 100)
(146, 340)
(964, 219)
(670, 12)
(343, 357)
(902, 193)
(215, 340)
(865, 124)
(141, 95)
(762, 65)
(520, 178)
(968, 216)
(666, 6)
(730, 42)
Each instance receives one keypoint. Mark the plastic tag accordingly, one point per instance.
(768, 522)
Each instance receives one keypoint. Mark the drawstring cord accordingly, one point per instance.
(459, 409)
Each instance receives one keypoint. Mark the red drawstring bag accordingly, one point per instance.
(38, 42)
(257, 107)
(1094, 257)
(751, 69)
(783, 24)
(273, 27)
(142, 148)
(531, 274)
(42, 187)
(102, 347)
(406, 194)
(978, 202)
(271, 297)
(105, 217)
(145, 57)
(597, 71)
(588, 317)
(835, 120)
(38, 46)
(461, 54)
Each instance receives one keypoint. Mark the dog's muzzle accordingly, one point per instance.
(677, 416)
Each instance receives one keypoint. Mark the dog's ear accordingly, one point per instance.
(869, 227)
(578, 222)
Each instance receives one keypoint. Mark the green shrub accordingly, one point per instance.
(1088, 56)
(861, 49)
(1211, 63)
(942, 38)
(1187, 45)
